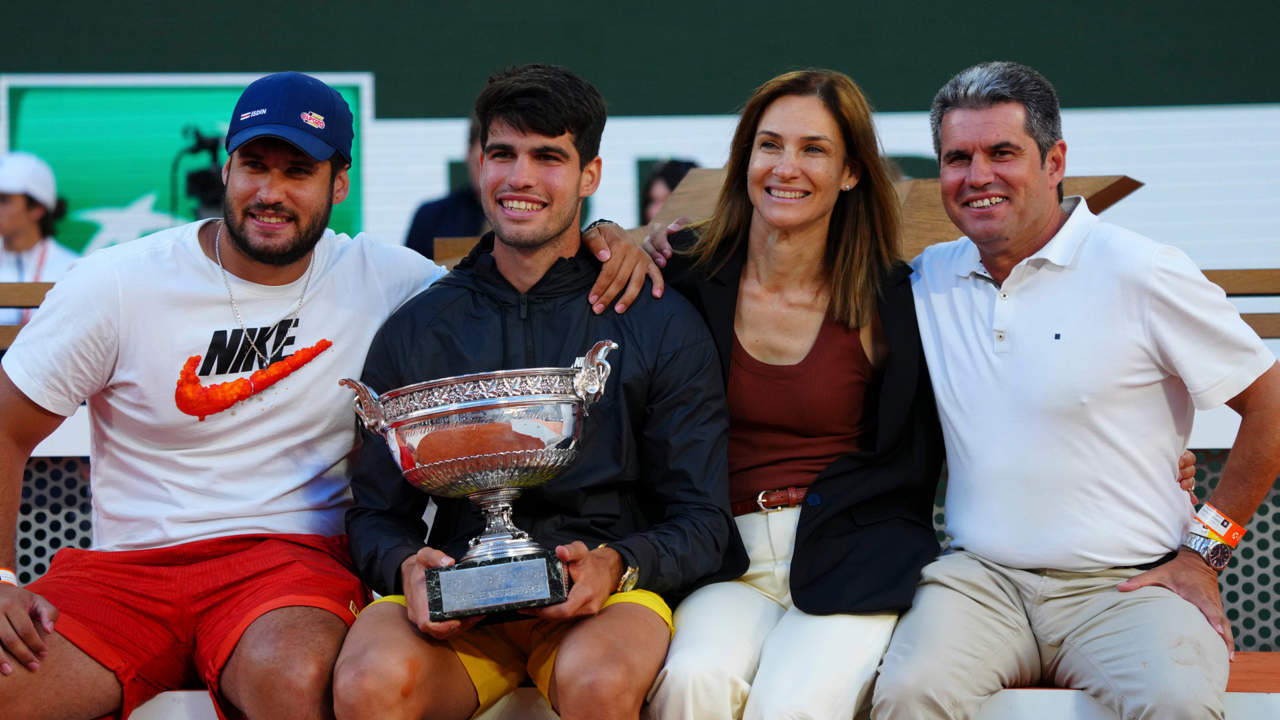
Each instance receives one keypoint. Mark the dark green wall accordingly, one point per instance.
(661, 57)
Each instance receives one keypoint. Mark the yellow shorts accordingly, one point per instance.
(499, 657)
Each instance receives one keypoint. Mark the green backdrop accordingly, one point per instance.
(115, 150)
(660, 57)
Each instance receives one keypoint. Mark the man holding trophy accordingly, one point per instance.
(639, 511)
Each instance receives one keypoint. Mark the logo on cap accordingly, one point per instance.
(314, 120)
(253, 113)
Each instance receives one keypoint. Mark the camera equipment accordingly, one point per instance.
(203, 185)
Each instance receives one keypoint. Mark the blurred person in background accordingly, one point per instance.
(457, 214)
(661, 183)
(29, 209)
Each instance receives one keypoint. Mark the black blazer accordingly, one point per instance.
(865, 527)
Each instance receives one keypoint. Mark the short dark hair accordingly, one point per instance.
(546, 100)
(51, 216)
(337, 164)
(991, 83)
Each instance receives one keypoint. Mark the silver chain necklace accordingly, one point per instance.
(235, 307)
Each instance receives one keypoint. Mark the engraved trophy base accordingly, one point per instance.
(495, 586)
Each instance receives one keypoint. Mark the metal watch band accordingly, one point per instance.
(1216, 554)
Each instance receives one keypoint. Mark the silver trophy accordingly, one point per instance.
(486, 437)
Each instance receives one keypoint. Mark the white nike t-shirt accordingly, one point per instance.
(117, 330)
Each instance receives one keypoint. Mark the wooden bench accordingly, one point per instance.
(1250, 284)
(1254, 684)
(23, 296)
(1253, 693)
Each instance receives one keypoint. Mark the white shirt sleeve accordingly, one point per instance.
(414, 273)
(68, 351)
(1198, 335)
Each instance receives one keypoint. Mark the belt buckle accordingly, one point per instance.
(760, 502)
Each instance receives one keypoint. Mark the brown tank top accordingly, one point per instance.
(789, 422)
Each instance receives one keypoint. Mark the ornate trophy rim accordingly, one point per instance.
(475, 377)
(581, 384)
(504, 569)
(437, 411)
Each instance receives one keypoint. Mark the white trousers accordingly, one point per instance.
(741, 649)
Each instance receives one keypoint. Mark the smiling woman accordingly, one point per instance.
(834, 447)
(797, 169)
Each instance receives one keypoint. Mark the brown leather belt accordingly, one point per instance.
(770, 500)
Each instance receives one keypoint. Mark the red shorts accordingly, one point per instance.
(169, 618)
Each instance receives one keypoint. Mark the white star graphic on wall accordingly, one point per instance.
(120, 225)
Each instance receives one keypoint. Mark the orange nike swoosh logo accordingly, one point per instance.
(202, 401)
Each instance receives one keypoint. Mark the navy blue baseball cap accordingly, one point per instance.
(296, 108)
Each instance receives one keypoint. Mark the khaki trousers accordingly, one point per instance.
(977, 627)
(741, 649)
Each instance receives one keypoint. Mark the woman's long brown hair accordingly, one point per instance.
(863, 240)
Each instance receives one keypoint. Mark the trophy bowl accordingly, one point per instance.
(486, 437)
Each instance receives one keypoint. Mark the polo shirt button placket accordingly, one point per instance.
(1000, 342)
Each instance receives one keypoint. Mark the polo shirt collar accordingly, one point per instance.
(970, 262)
(1060, 250)
(1062, 247)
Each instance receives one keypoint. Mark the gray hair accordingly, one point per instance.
(991, 83)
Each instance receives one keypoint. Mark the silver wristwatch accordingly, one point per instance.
(1216, 554)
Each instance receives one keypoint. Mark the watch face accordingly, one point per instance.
(1218, 555)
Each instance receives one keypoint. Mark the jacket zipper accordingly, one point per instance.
(528, 331)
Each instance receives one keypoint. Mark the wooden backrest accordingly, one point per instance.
(19, 295)
(925, 222)
(449, 250)
(1252, 283)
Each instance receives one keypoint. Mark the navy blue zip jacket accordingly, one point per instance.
(651, 478)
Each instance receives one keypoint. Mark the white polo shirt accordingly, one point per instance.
(1066, 395)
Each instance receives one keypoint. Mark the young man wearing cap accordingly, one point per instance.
(209, 355)
(28, 209)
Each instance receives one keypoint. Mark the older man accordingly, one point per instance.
(1068, 356)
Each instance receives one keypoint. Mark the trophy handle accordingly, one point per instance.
(367, 405)
(592, 372)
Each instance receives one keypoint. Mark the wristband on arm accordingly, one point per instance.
(1220, 527)
(8, 577)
